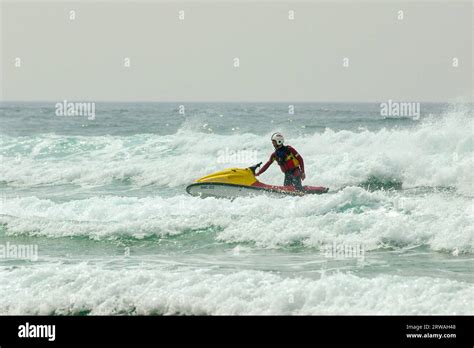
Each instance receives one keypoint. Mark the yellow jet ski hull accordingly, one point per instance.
(241, 182)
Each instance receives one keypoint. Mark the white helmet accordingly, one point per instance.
(278, 137)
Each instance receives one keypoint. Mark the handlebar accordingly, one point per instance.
(254, 168)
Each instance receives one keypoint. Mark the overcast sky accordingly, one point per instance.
(280, 59)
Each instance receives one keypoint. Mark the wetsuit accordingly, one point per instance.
(291, 164)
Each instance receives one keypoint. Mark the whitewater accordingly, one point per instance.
(104, 200)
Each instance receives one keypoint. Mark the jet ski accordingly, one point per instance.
(241, 182)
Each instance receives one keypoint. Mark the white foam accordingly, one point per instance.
(434, 153)
(352, 216)
(73, 289)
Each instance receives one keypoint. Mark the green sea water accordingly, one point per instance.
(102, 205)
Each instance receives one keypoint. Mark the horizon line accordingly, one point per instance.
(234, 102)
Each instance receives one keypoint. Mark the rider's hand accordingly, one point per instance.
(303, 176)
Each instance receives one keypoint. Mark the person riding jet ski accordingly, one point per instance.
(290, 162)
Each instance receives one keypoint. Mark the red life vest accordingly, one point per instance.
(286, 159)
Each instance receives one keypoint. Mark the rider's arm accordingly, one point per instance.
(266, 165)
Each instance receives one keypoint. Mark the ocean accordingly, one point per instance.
(95, 219)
